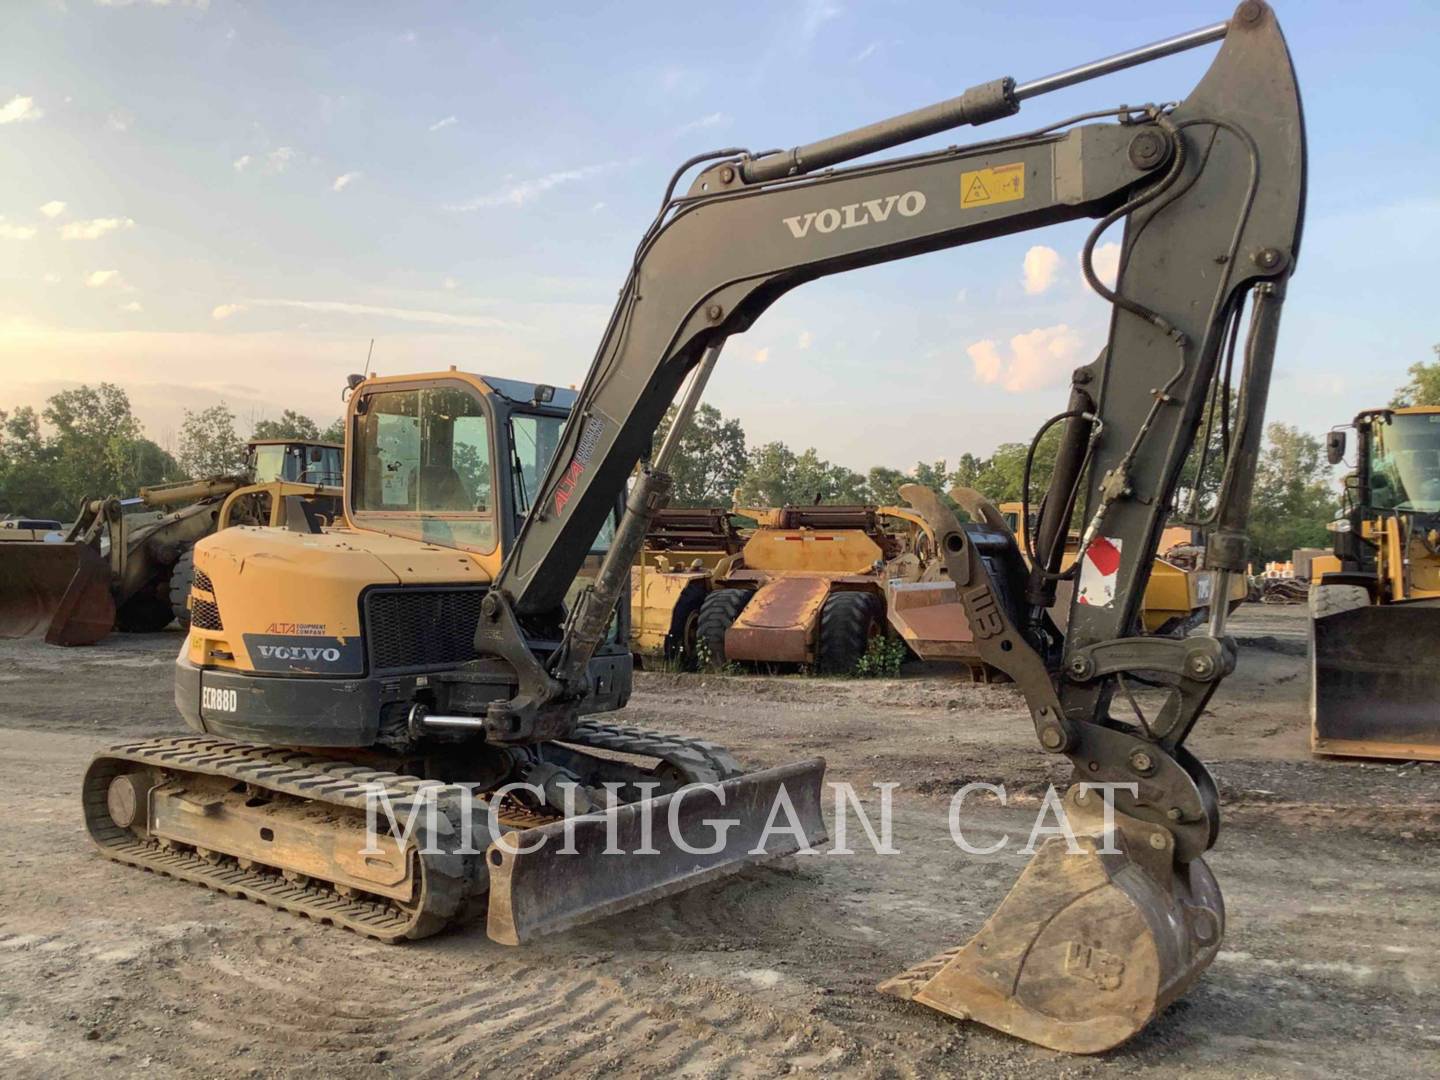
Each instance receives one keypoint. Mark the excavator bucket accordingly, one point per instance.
(1374, 693)
(57, 591)
(1093, 941)
(556, 876)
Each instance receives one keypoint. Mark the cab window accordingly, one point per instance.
(423, 468)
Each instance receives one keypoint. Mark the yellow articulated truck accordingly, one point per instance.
(1375, 602)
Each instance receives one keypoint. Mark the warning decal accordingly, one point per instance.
(986, 187)
(1098, 571)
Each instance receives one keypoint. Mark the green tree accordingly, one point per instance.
(1293, 495)
(882, 485)
(27, 472)
(710, 460)
(335, 433)
(208, 443)
(777, 476)
(1424, 385)
(291, 425)
(93, 447)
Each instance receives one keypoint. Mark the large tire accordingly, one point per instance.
(181, 578)
(718, 611)
(847, 623)
(681, 641)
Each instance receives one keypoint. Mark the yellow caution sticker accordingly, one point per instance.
(986, 187)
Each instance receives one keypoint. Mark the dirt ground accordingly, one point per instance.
(1331, 872)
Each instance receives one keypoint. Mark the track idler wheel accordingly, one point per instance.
(1088, 947)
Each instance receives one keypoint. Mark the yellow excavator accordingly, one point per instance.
(447, 651)
(1375, 601)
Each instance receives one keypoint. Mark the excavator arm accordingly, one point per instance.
(1210, 192)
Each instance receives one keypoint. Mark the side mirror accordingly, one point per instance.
(1335, 447)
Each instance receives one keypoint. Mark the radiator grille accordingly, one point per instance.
(421, 627)
(204, 614)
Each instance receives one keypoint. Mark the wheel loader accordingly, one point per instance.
(126, 563)
(465, 624)
(1375, 600)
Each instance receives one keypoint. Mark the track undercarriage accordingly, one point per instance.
(395, 848)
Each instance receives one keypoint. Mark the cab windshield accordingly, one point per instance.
(423, 468)
(1405, 463)
(300, 464)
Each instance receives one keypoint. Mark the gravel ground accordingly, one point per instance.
(1330, 872)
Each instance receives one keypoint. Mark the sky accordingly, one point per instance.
(228, 200)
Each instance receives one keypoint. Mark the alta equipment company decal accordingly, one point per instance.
(1098, 570)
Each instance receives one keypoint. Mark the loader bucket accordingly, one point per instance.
(565, 873)
(58, 591)
(1088, 947)
(1375, 687)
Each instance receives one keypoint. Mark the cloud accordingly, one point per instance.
(761, 356)
(278, 160)
(241, 162)
(19, 108)
(816, 14)
(51, 279)
(1106, 263)
(409, 37)
(101, 278)
(865, 53)
(451, 283)
(448, 121)
(221, 312)
(15, 232)
(120, 120)
(527, 191)
(715, 119)
(1041, 265)
(962, 295)
(94, 228)
(52, 209)
(1034, 359)
(597, 207)
(340, 307)
(132, 306)
(805, 340)
(344, 180)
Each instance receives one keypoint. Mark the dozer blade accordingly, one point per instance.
(1087, 947)
(1375, 679)
(58, 591)
(636, 853)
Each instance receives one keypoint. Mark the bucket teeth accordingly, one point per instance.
(910, 982)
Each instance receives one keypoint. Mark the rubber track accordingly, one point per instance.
(698, 760)
(444, 878)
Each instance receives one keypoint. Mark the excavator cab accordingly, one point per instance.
(1375, 602)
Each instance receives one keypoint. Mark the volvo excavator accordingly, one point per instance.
(465, 623)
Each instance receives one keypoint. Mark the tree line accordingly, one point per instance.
(87, 443)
